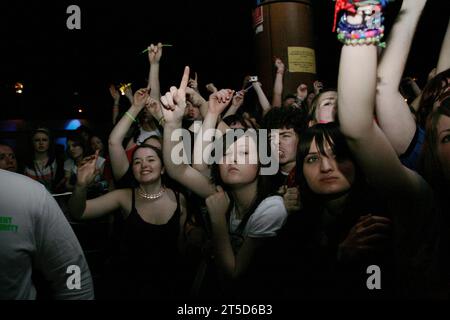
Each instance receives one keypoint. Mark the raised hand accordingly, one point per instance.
(154, 53)
(154, 107)
(140, 97)
(279, 65)
(218, 204)
(87, 170)
(115, 94)
(257, 84)
(318, 86)
(238, 99)
(302, 91)
(193, 83)
(174, 101)
(291, 198)
(219, 100)
(211, 87)
(129, 94)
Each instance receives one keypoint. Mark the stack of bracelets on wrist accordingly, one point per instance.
(369, 31)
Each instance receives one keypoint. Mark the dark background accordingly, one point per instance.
(63, 70)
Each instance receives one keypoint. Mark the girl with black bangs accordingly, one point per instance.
(244, 207)
(342, 227)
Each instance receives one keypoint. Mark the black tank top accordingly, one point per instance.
(147, 259)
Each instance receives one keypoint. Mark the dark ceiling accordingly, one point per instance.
(63, 69)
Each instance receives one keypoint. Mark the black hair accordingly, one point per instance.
(286, 117)
(102, 138)
(264, 186)
(322, 134)
(78, 141)
(430, 94)
(289, 96)
(158, 153)
(83, 129)
(229, 120)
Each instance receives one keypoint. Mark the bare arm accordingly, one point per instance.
(116, 96)
(394, 116)
(236, 103)
(197, 100)
(80, 208)
(217, 103)
(119, 160)
(444, 55)
(263, 101)
(174, 103)
(231, 265)
(277, 98)
(356, 100)
(154, 56)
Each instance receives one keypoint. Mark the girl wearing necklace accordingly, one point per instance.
(145, 264)
(42, 165)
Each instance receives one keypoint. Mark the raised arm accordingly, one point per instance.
(211, 88)
(393, 114)
(277, 98)
(444, 55)
(197, 100)
(174, 103)
(236, 103)
(302, 93)
(356, 100)
(193, 83)
(217, 104)
(79, 208)
(116, 96)
(154, 56)
(263, 101)
(119, 160)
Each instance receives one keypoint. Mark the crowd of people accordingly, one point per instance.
(362, 179)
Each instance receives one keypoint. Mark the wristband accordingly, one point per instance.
(130, 116)
(371, 29)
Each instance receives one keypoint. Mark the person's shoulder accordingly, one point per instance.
(12, 179)
(272, 205)
(13, 185)
(268, 218)
(271, 201)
